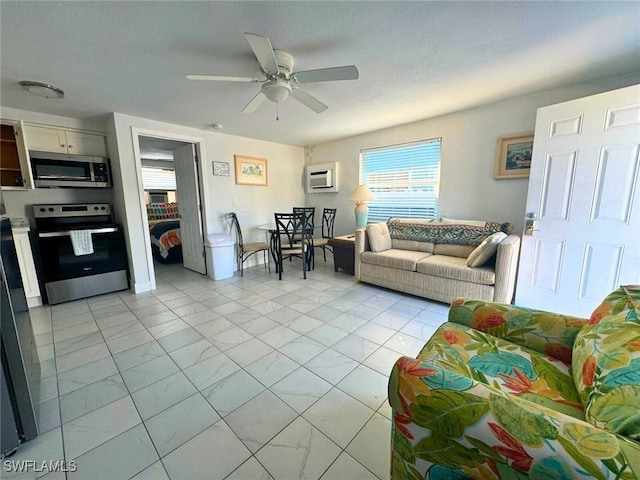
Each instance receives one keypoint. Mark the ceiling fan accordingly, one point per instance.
(280, 80)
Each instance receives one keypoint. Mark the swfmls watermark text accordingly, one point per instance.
(22, 466)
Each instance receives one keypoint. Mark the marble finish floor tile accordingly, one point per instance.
(338, 416)
(299, 451)
(177, 424)
(194, 460)
(93, 396)
(131, 451)
(232, 392)
(301, 389)
(271, 368)
(95, 428)
(163, 394)
(260, 419)
(331, 365)
(371, 446)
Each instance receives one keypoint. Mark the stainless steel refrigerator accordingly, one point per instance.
(20, 379)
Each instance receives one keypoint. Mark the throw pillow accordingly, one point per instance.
(606, 363)
(606, 372)
(485, 250)
(379, 238)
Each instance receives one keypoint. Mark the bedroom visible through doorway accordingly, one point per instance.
(172, 201)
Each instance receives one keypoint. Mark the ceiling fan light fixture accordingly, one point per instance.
(42, 89)
(276, 90)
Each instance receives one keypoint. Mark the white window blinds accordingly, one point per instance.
(158, 178)
(404, 179)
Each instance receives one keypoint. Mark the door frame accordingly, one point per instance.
(137, 132)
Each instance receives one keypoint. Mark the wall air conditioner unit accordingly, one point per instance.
(322, 178)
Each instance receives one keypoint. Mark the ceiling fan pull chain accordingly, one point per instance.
(277, 114)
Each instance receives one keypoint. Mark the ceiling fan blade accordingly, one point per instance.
(223, 78)
(309, 100)
(255, 102)
(348, 72)
(263, 51)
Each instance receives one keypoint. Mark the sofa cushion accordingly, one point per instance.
(455, 268)
(462, 251)
(413, 245)
(379, 239)
(485, 250)
(394, 258)
(516, 370)
(440, 233)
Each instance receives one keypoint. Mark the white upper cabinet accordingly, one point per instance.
(59, 140)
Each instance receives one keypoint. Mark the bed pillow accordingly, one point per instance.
(379, 238)
(485, 250)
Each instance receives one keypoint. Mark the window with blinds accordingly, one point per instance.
(158, 178)
(404, 179)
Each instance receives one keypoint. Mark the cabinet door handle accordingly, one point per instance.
(63, 145)
(70, 146)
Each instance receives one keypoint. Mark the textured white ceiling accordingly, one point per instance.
(416, 59)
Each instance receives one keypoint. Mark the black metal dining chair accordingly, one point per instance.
(291, 239)
(309, 222)
(328, 219)
(245, 250)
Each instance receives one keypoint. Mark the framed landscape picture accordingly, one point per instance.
(251, 170)
(513, 156)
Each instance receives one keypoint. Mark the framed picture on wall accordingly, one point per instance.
(513, 156)
(221, 169)
(251, 170)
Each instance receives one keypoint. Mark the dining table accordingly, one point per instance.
(271, 230)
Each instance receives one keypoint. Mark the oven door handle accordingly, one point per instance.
(67, 234)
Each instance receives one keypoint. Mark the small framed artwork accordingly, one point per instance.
(221, 169)
(513, 156)
(251, 170)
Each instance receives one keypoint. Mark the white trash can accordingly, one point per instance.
(220, 256)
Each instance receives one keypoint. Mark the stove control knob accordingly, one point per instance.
(103, 208)
(51, 209)
(95, 208)
(42, 209)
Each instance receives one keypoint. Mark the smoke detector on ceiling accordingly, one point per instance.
(42, 89)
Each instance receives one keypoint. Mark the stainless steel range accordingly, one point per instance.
(82, 251)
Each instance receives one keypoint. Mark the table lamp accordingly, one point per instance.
(360, 195)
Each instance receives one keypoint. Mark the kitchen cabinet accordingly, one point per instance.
(60, 140)
(15, 168)
(26, 264)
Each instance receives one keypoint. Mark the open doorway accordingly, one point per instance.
(173, 203)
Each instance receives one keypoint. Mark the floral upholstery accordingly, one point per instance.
(506, 366)
(491, 396)
(606, 356)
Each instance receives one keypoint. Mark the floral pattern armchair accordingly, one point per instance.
(504, 392)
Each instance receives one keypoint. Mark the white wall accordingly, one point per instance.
(18, 203)
(254, 205)
(467, 187)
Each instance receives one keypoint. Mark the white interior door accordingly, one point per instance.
(585, 200)
(191, 237)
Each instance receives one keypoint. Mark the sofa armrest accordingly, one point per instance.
(361, 245)
(506, 269)
(545, 332)
(471, 429)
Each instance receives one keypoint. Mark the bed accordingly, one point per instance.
(164, 229)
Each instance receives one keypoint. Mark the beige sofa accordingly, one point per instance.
(430, 259)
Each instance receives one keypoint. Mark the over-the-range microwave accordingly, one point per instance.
(61, 170)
